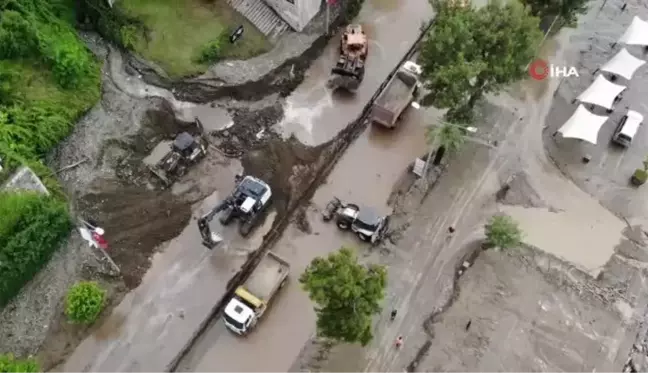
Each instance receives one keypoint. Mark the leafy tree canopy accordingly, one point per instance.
(567, 10)
(470, 51)
(502, 232)
(347, 295)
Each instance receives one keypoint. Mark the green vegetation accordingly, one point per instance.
(84, 302)
(8, 364)
(183, 36)
(567, 10)
(48, 79)
(32, 226)
(347, 295)
(470, 52)
(502, 232)
(449, 136)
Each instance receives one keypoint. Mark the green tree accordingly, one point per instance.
(567, 10)
(84, 302)
(448, 136)
(470, 52)
(502, 232)
(347, 295)
(10, 364)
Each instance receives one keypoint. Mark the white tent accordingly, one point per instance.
(583, 125)
(601, 92)
(636, 33)
(623, 64)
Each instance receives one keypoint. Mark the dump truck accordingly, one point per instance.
(400, 93)
(252, 298)
(349, 70)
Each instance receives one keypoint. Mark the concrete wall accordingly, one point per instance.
(25, 179)
(297, 13)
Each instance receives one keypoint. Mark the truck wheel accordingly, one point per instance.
(245, 228)
(226, 216)
(343, 225)
(364, 237)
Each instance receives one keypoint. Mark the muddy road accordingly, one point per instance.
(366, 174)
(313, 113)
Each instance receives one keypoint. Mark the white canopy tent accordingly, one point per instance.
(583, 125)
(623, 64)
(636, 33)
(601, 92)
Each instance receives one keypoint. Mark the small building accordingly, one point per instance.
(296, 13)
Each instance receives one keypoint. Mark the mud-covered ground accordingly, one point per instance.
(115, 188)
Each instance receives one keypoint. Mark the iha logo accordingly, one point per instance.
(540, 70)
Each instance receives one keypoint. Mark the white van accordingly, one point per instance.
(627, 128)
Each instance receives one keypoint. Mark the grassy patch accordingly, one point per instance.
(179, 31)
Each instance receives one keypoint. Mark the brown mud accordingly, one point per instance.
(282, 80)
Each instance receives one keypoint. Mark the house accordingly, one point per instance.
(296, 13)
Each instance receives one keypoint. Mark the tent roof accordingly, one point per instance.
(636, 33)
(583, 125)
(623, 64)
(601, 92)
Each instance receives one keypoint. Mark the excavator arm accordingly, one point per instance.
(210, 240)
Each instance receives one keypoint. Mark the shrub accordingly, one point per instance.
(10, 364)
(214, 50)
(84, 302)
(502, 232)
(32, 227)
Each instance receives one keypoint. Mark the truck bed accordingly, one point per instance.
(396, 95)
(267, 276)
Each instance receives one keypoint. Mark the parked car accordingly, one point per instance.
(627, 128)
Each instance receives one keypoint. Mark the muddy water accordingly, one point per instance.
(315, 114)
(185, 281)
(364, 175)
(213, 118)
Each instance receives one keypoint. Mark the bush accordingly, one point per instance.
(502, 232)
(32, 227)
(84, 302)
(640, 175)
(10, 364)
(214, 50)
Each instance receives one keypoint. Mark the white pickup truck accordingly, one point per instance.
(251, 300)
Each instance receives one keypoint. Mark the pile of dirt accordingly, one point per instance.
(137, 222)
(251, 129)
(287, 165)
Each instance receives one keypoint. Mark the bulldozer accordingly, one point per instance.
(185, 151)
(349, 70)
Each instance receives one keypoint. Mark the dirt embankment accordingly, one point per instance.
(282, 79)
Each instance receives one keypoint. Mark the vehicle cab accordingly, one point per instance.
(242, 312)
(369, 225)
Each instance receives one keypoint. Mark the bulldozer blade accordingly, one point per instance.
(160, 174)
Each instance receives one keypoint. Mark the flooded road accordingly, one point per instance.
(148, 329)
(365, 175)
(313, 113)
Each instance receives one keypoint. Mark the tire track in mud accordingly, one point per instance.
(332, 151)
